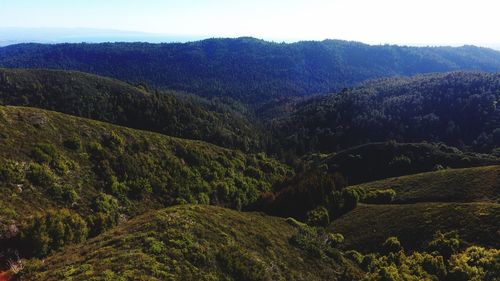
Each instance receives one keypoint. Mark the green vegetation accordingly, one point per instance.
(458, 109)
(375, 161)
(116, 171)
(249, 69)
(450, 185)
(89, 96)
(52, 230)
(472, 263)
(198, 243)
(367, 226)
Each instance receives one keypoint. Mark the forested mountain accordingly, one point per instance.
(248, 69)
(460, 109)
(110, 100)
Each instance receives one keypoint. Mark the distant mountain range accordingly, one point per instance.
(247, 69)
(17, 35)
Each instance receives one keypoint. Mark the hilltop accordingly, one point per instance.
(248, 69)
(479, 184)
(194, 243)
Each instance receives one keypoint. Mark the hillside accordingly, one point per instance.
(113, 101)
(193, 243)
(366, 227)
(106, 173)
(481, 184)
(376, 161)
(247, 69)
(459, 109)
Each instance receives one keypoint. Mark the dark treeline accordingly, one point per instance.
(248, 69)
(458, 109)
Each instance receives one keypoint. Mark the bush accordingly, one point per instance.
(52, 230)
(10, 172)
(241, 265)
(384, 196)
(138, 188)
(114, 141)
(318, 217)
(391, 245)
(446, 244)
(106, 215)
(40, 175)
(48, 154)
(65, 193)
(475, 263)
(351, 199)
(74, 143)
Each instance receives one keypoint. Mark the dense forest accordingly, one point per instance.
(168, 112)
(248, 69)
(459, 109)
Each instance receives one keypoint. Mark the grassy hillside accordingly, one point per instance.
(113, 101)
(375, 161)
(52, 160)
(192, 243)
(480, 184)
(459, 109)
(366, 227)
(248, 69)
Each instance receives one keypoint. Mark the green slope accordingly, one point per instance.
(480, 184)
(113, 101)
(366, 227)
(192, 243)
(376, 161)
(52, 160)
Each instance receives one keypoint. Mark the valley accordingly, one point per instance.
(241, 159)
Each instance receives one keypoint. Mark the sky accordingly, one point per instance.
(404, 22)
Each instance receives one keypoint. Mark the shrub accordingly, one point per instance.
(475, 263)
(241, 265)
(10, 172)
(114, 141)
(73, 143)
(65, 193)
(391, 245)
(106, 214)
(335, 239)
(52, 230)
(40, 175)
(48, 154)
(384, 196)
(138, 188)
(446, 244)
(318, 217)
(351, 198)
(44, 153)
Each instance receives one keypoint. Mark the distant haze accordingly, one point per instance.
(401, 22)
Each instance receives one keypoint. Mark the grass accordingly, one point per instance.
(366, 227)
(192, 242)
(479, 184)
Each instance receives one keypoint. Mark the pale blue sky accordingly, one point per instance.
(435, 22)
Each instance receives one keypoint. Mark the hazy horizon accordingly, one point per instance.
(413, 23)
(57, 35)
